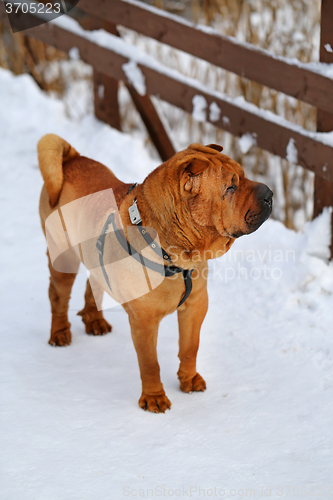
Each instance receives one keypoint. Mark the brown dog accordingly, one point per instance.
(198, 202)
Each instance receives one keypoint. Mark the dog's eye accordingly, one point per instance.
(231, 189)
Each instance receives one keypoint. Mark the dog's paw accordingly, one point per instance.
(95, 326)
(98, 327)
(155, 404)
(61, 338)
(196, 383)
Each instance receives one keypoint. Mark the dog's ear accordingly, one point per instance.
(191, 166)
(192, 176)
(197, 165)
(215, 146)
(192, 163)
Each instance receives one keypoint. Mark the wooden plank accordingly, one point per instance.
(323, 194)
(270, 135)
(153, 124)
(282, 74)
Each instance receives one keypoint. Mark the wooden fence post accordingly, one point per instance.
(323, 195)
(106, 100)
(147, 111)
(105, 88)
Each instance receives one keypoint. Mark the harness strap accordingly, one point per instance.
(135, 217)
(187, 276)
(100, 247)
(154, 266)
(150, 242)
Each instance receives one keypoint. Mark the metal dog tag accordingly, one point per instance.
(134, 213)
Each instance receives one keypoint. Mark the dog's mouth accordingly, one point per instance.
(255, 218)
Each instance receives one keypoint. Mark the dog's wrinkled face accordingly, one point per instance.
(220, 195)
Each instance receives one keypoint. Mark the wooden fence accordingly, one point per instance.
(272, 133)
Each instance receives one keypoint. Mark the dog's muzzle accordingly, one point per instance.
(254, 218)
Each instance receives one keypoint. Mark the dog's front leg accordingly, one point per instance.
(190, 317)
(144, 329)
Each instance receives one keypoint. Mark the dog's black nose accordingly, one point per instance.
(265, 194)
(268, 199)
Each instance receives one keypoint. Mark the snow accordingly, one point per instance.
(292, 153)
(199, 108)
(100, 91)
(70, 424)
(226, 121)
(246, 142)
(214, 112)
(135, 76)
(318, 237)
(328, 47)
(74, 54)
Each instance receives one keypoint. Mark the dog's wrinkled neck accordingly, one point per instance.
(187, 243)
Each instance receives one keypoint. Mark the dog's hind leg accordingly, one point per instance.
(93, 318)
(59, 294)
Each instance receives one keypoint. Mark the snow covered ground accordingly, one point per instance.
(71, 428)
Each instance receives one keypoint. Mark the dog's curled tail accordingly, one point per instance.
(53, 151)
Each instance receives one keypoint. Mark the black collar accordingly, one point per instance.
(159, 268)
